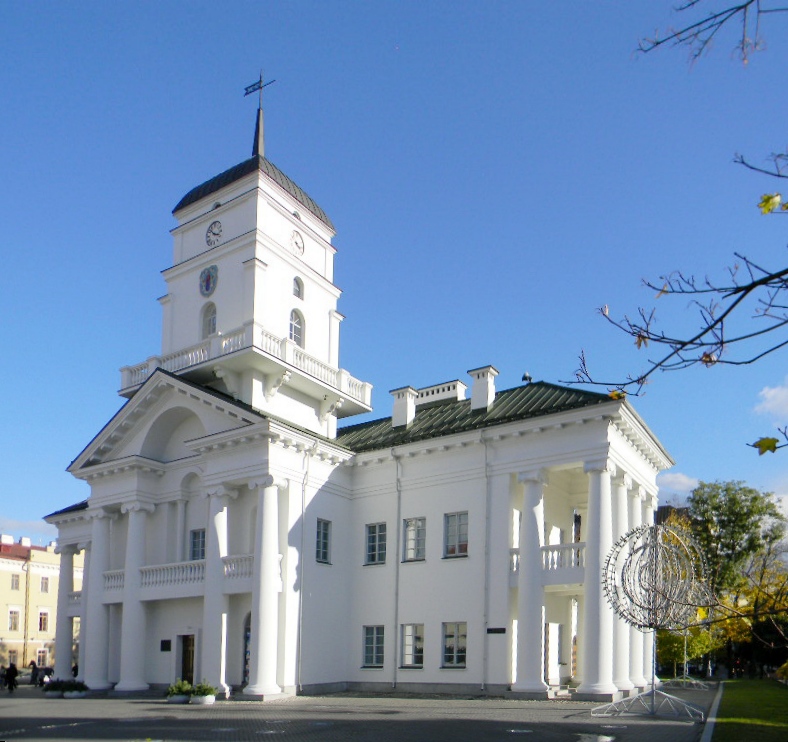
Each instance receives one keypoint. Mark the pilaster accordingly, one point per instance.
(64, 630)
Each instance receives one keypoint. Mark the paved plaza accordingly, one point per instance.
(27, 715)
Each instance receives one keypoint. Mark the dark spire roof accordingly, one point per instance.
(256, 162)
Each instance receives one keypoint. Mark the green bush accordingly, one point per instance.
(180, 688)
(204, 689)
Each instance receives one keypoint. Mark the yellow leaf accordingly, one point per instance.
(663, 291)
(641, 340)
(617, 394)
(708, 359)
(766, 444)
(605, 310)
(769, 202)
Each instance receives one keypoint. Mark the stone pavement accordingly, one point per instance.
(26, 715)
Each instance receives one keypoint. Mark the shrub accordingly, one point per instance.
(204, 689)
(180, 688)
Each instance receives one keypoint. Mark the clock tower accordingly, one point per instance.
(251, 305)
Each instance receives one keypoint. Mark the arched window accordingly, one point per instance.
(208, 320)
(297, 328)
(298, 288)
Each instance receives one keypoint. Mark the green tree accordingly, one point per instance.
(733, 523)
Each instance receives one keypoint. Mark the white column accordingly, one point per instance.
(530, 592)
(215, 602)
(636, 635)
(133, 638)
(621, 485)
(180, 530)
(95, 636)
(64, 634)
(265, 593)
(83, 607)
(649, 506)
(597, 638)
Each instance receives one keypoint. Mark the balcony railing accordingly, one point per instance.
(556, 558)
(114, 579)
(283, 349)
(179, 573)
(238, 567)
(74, 598)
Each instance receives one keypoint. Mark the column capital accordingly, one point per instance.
(536, 475)
(638, 492)
(137, 506)
(220, 490)
(600, 465)
(622, 479)
(265, 482)
(100, 513)
(66, 548)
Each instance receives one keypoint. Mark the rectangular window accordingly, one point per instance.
(373, 646)
(323, 541)
(45, 584)
(13, 657)
(15, 582)
(197, 544)
(42, 658)
(13, 620)
(43, 621)
(454, 636)
(455, 532)
(413, 645)
(414, 531)
(376, 543)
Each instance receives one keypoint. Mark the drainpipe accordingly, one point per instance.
(486, 606)
(398, 483)
(26, 635)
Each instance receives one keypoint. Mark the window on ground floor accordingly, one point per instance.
(13, 657)
(413, 645)
(373, 646)
(454, 638)
(42, 658)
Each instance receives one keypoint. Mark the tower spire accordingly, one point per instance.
(258, 146)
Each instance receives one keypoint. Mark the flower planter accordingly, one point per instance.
(53, 694)
(74, 694)
(203, 700)
(177, 699)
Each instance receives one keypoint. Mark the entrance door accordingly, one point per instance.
(187, 657)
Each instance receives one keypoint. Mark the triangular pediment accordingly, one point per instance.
(161, 418)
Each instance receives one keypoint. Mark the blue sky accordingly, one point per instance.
(496, 171)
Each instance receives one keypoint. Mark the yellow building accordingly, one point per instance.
(29, 577)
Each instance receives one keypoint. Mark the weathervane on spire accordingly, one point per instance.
(258, 148)
(259, 85)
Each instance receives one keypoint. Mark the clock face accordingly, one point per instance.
(213, 234)
(297, 243)
(208, 279)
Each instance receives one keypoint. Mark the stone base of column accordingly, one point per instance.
(125, 686)
(624, 685)
(93, 684)
(263, 692)
(529, 694)
(600, 696)
(597, 690)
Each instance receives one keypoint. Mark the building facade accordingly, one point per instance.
(29, 587)
(235, 533)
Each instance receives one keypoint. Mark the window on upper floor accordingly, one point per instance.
(208, 325)
(298, 288)
(373, 646)
(454, 639)
(45, 584)
(15, 582)
(414, 535)
(376, 543)
(13, 619)
(43, 621)
(297, 328)
(455, 535)
(323, 541)
(413, 645)
(197, 544)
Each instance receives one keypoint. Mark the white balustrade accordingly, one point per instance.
(114, 579)
(239, 566)
(75, 598)
(179, 573)
(561, 556)
(281, 348)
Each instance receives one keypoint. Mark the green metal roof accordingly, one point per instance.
(245, 168)
(437, 419)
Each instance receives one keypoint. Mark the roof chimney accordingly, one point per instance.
(6, 538)
(483, 389)
(24, 541)
(404, 406)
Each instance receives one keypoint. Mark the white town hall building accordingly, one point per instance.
(235, 534)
